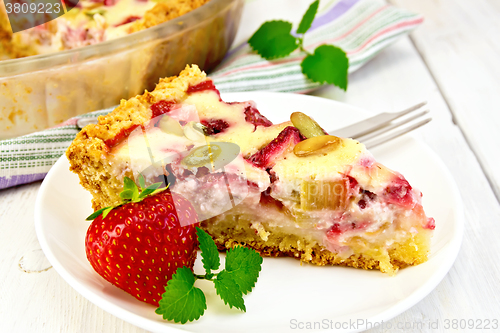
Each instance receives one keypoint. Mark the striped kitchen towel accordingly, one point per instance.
(362, 28)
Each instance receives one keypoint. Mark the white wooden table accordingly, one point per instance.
(452, 61)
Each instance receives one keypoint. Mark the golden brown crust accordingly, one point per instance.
(412, 251)
(165, 11)
(136, 110)
(88, 152)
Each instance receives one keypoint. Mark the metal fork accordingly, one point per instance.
(383, 127)
(372, 131)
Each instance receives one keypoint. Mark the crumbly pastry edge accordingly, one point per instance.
(410, 252)
(88, 153)
(165, 11)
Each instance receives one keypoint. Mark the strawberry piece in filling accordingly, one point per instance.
(267, 156)
(340, 228)
(214, 126)
(202, 86)
(124, 133)
(431, 224)
(399, 192)
(161, 107)
(366, 198)
(127, 20)
(253, 116)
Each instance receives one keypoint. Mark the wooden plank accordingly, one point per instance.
(460, 43)
(398, 78)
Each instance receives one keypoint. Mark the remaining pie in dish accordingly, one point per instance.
(90, 22)
(283, 189)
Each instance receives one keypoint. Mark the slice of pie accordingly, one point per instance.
(283, 189)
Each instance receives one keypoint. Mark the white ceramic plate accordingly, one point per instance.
(288, 295)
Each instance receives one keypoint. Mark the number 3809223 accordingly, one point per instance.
(33, 8)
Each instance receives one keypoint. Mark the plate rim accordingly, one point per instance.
(453, 247)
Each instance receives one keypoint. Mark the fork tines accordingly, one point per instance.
(386, 126)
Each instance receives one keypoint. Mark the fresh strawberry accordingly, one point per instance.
(139, 245)
(286, 140)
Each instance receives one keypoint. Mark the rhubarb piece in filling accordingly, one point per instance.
(317, 198)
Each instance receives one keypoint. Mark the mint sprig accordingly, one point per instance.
(327, 64)
(130, 193)
(273, 40)
(308, 18)
(229, 291)
(323, 66)
(243, 265)
(183, 302)
(209, 252)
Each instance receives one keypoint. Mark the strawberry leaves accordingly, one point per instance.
(130, 190)
(150, 190)
(183, 302)
(141, 181)
(95, 214)
(130, 193)
(328, 63)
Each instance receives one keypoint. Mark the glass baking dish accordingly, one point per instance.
(42, 91)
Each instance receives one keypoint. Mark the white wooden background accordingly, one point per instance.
(452, 61)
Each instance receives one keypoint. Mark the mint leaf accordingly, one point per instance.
(209, 252)
(308, 18)
(243, 265)
(273, 40)
(182, 301)
(229, 291)
(328, 64)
